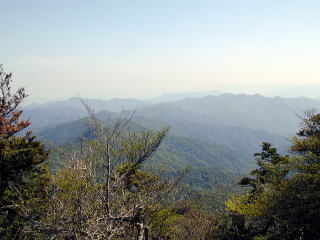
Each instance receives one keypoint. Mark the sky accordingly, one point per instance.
(143, 48)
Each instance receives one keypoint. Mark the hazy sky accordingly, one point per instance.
(135, 48)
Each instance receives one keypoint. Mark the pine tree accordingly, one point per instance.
(284, 200)
(23, 172)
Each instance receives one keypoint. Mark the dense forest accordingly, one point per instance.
(111, 175)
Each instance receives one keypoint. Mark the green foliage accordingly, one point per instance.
(101, 190)
(175, 151)
(272, 168)
(23, 171)
(178, 152)
(163, 223)
(284, 202)
(137, 148)
(17, 156)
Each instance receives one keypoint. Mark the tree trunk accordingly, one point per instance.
(140, 228)
(146, 233)
(140, 223)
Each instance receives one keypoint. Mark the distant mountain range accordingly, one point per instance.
(241, 139)
(309, 91)
(52, 113)
(115, 104)
(169, 97)
(274, 115)
(207, 163)
(220, 132)
(174, 153)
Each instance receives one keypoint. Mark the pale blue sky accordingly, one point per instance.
(135, 48)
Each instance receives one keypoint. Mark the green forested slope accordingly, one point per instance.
(175, 151)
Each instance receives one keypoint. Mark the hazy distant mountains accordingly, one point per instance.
(115, 105)
(169, 97)
(245, 140)
(274, 115)
(52, 113)
(310, 91)
(174, 153)
(227, 119)
(212, 131)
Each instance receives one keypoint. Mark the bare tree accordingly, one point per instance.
(102, 192)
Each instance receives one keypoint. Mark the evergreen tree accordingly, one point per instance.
(284, 200)
(23, 173)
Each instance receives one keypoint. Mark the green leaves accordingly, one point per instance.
(23, 171)
(284, 202)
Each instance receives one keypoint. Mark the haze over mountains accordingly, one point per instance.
(48, 114)
(309, 91)
(216, 131)
(168, 97)
(275, 115)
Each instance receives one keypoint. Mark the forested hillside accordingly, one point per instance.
(175, 151)
(123, 175)
(204, 131)
(239, 122)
